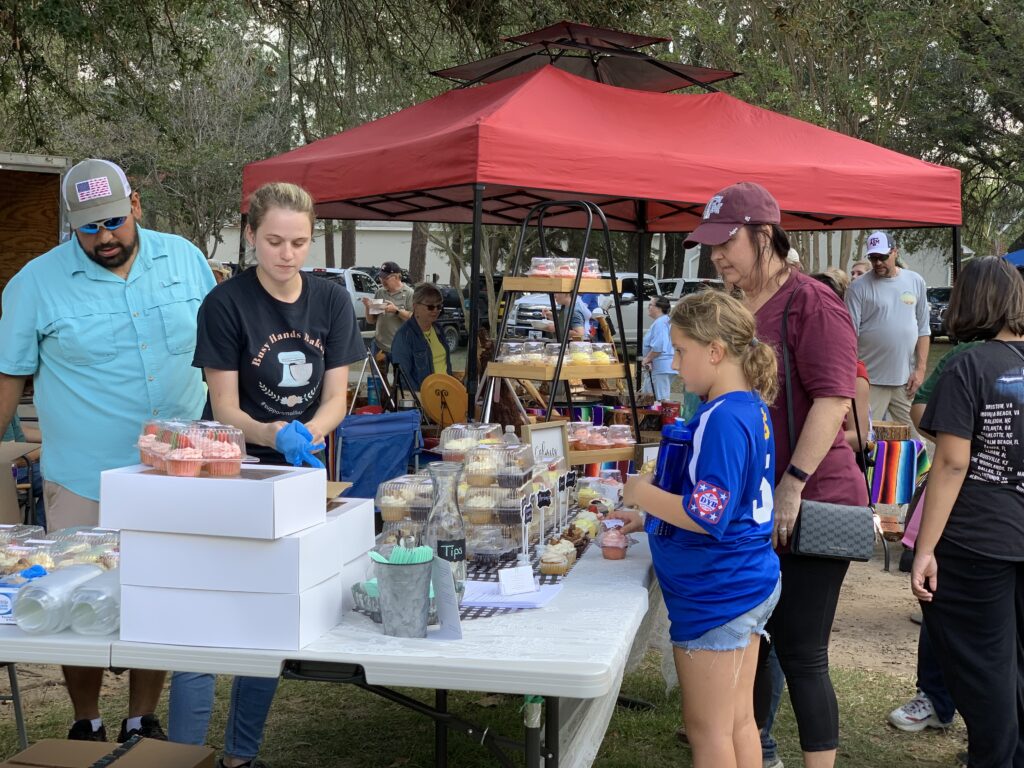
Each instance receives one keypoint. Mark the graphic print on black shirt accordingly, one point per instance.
(280, 350)
(980, 397)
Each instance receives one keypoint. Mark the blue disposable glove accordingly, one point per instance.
(296, 443)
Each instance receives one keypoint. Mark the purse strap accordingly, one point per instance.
(789, 391)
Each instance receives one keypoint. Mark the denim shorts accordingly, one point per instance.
(735, 634)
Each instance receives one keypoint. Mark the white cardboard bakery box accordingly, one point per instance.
(264, 502)
(288, 565)
(221, 619)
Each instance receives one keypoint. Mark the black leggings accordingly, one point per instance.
(800, 628)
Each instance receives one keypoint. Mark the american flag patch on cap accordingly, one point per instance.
(90, 189)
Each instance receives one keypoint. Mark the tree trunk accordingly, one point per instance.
(418, 251)
(348, 244)
(456, 259)
(816, 264)
(329, 243)
(846, 251)
(828, 250)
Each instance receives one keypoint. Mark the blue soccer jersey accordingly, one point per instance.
(709, 580)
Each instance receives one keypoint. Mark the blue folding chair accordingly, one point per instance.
(372, 448)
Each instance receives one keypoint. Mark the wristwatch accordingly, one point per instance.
(798, 473)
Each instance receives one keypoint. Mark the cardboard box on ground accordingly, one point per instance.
(54, 753)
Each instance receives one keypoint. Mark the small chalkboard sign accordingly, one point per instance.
(550, 441)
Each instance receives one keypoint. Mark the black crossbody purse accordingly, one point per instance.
(834, 531)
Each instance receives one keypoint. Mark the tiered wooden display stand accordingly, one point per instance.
(561, 372)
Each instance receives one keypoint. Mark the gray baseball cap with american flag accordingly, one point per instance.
(96, 190)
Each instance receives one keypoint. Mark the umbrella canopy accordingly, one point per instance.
(1016, 258)
(604, 55)
(550, 135)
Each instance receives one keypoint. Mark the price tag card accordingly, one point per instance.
(516, 581)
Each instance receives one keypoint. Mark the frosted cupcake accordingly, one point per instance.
(184, 462)
(223, 459)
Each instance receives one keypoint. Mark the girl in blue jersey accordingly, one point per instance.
(716, 566)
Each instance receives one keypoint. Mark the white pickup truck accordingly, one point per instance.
(358, 284)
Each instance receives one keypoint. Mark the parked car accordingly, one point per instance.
(452, 319)
(529, 308)
(358, 284)
(678, 287)
(938, 303)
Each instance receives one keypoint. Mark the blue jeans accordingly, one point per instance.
(191, 702)
(38, 516)
(769, 747)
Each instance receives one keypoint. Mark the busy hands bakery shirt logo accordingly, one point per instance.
(288, 368)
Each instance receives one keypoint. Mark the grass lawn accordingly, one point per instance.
(334, 726)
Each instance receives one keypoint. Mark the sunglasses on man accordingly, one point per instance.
(109, 224)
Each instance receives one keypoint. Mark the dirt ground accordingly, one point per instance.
(873, 630)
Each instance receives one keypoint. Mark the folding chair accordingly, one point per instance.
(372, 448)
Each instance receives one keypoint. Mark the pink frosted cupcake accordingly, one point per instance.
(223, 459)
(184, 462)
(146, 443)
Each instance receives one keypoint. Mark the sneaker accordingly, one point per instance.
(150, 729)
(82, 730)
(772, 762)
(254, 763)
(916, 715)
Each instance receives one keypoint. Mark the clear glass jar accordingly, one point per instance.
(541, 266)
(446, 530)
(510, 352)
(533, 352)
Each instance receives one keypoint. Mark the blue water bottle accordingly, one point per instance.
(670, 469)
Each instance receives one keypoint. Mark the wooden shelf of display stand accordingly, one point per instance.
(598, 457)
(547, 372)
(528, 284)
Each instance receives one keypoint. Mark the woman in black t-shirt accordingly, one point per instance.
(275, 344)
(973, 521)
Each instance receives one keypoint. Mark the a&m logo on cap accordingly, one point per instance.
(874, 241)
(90, 189)
(714, 206)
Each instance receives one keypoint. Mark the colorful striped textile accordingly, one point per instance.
(897, 466)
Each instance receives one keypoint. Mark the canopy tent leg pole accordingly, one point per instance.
(957, 248)
(641, 262)
(474, 285)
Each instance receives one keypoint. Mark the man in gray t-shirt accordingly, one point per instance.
(889, 309)
(397, 305)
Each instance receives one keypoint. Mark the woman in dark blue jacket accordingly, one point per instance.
(418, 349)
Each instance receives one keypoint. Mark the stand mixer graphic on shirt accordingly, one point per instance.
(281, 371)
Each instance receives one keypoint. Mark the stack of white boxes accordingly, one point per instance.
(253, 561)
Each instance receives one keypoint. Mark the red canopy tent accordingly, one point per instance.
(487, 154)
(551, 135)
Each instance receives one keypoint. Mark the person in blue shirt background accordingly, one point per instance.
(716, 566)
(657, 350)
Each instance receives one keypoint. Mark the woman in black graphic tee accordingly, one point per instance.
(275, 342)
(969, 557)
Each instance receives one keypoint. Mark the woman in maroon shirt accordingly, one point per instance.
(749, 248)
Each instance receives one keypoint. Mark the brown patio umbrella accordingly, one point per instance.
(604, 55)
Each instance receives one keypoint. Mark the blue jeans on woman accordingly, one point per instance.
(191, 702)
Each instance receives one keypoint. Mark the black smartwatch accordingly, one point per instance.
(798, 473)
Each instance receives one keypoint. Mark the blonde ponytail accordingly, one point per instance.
(708, 316)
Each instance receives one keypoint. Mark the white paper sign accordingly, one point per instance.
(548, 442)
(517, 580)
(447, 602)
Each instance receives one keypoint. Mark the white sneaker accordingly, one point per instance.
(916, 715)
(775, 762)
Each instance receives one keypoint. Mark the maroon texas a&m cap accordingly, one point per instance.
(736, 205)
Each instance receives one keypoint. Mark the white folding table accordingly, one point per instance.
(572, 654)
